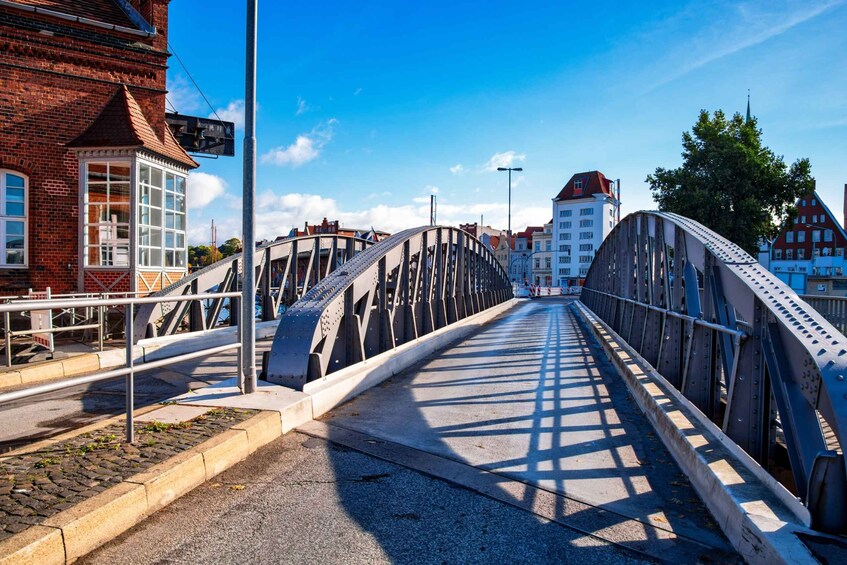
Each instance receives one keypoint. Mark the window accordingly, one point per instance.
(175, 251)
(777, 253)
(814, 202)
(789, 254)
(611, 224)
(564, 259)
(816, 235)
(564, 237)
(586, 211)
(586, 223)
(565, 213)
(789, 237)
(565, 271)
(548, 245)
(161, 218)
(565, 248)
(827, 235)
(564, 225)
(538, 246)
(586, 235)
(107, 214)
(577, 187)
(816, 252)
(546, 262)
(585, 258)
(802, 219)
(801, 254)
(583, 271)
(586, 247)
(804, 203)
(801, 237)
(13, 223)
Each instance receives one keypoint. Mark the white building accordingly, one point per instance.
(584, 212)
(542, 256)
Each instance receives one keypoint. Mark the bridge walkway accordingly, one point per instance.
(555, 460)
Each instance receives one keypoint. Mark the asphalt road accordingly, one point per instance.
(518, 445)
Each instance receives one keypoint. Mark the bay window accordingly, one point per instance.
(107, 206)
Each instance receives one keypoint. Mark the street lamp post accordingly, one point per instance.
(509, 227)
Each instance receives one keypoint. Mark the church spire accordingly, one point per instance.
(748, 105)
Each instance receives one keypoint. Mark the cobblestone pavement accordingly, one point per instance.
(40, 484)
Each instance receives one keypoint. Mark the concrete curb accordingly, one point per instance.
(755, 519)
(72, 533)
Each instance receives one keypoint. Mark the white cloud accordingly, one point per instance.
(302, 107)
(182, 96)
(505, 159)
(307, 147)
(234, 112)
(457, 169)
(358, 91)
(421, 199)
(431, 189)
(203, 188)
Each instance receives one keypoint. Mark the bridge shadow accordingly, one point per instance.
(529, 402)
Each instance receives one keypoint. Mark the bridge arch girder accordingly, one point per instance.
(277, 283)
(413, 283)
(736, 341)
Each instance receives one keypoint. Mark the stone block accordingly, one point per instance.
(38, 545)
(171, 479)
(81, 364)
(261, 429)
(99, 519)
(223, 451)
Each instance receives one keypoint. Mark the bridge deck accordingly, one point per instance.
(524, 412)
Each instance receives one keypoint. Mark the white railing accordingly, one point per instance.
(130, 368)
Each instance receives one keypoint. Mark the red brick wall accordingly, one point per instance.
(52, 86)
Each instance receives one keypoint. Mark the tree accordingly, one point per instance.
(230, 247)
(730, 182)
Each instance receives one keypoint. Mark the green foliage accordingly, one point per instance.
(730, 182)
(204, 255)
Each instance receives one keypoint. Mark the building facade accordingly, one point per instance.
(584, 213)
(808, 253)
(93, 185)
(542, 256)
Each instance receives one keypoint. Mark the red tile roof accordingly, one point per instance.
(593, 182)
(105, 11)
(121, 123)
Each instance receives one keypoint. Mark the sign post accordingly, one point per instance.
(42, 320)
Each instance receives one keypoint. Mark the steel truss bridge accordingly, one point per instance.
(286, 269)
(737, 342)
(411, 284)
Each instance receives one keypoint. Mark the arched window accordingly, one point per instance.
(13, 219)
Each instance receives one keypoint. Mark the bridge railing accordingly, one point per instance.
(832, 308)
(748, 352)
(411, 284)
(285, 270)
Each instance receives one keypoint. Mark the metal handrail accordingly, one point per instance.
(130, 369)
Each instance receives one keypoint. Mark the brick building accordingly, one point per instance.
(808, 253)
(92, 182)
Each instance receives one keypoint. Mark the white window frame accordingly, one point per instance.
(118, 243)
(5, 218)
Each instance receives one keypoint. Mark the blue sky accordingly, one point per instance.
(367, 108)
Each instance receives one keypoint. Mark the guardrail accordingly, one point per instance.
(832, 308)
(130, 369)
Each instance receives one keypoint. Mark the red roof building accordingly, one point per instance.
(584, 212)
(93, 185)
